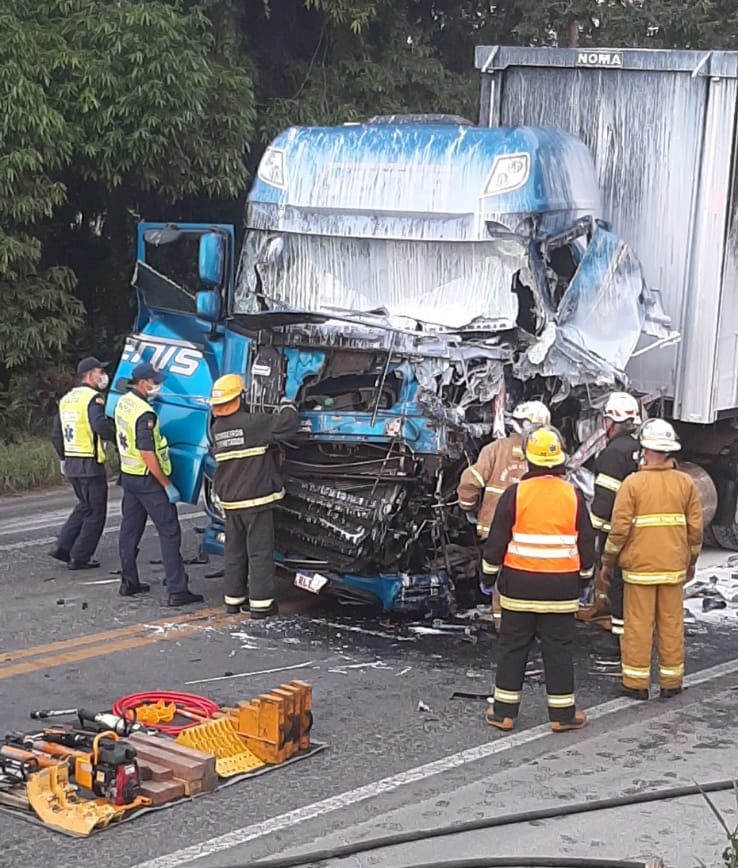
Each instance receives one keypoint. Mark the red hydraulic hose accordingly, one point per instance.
(190, 705)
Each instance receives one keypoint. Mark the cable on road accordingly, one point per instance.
(343, 851)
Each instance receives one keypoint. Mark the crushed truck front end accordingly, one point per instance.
(405, 283)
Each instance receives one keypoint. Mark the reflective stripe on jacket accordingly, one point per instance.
(499, 465)
(80, 441)
(128, 411)
(656, 526)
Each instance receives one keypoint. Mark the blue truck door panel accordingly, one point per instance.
(190, 352)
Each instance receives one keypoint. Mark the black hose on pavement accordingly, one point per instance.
(344, 850)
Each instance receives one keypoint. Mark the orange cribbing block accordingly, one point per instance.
(262, 724)
(305, 692)
(292, 715)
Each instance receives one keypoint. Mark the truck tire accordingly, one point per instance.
(726, 536)
(708, 538)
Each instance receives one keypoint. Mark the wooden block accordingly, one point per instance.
(183, 768)
(155, 772)
(161, 792)
(207, 785)
(170, 744)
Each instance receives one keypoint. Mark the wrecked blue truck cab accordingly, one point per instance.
(404, 281)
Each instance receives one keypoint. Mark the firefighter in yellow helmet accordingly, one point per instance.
(655, 539)
(539, 549)
(248, 485)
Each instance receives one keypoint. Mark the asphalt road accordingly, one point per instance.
(69, 640)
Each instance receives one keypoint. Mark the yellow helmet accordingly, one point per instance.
(226, 389)
(543, 448)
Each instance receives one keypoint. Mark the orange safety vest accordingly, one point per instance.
(544, 536)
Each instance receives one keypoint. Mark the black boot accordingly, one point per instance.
(80, 565)
(60, 555)
(260, 614)
(236, 610)
(641, 695)
(132, 590)
(184, 598)
(670, 692)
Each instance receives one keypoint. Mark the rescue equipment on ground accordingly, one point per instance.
(162, 746)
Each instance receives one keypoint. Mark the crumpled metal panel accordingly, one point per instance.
(449, 284)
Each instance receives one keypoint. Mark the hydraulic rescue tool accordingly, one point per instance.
(98, 720)
(102, 763)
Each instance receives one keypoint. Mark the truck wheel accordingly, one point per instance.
(708, 538)
(726, 536)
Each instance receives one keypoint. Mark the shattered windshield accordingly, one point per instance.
(445, 283)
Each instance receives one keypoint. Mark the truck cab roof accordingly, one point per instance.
(425, 180)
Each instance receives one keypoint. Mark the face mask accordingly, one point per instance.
(154, 390)
(103, 382)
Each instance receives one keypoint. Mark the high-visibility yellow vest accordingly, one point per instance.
(128, 411)
(80, 441)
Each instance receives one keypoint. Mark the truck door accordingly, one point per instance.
(178, 329)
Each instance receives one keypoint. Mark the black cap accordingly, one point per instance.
(89, 364)
(146, 371)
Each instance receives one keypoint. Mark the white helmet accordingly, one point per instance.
(659, 436)
(622, 407)
(532, 412)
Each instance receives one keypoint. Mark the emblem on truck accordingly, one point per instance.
(600, 58)
(181, 358)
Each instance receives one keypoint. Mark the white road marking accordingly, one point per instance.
(394, 782)
(250, 674)
(26, 524)
(48, 540)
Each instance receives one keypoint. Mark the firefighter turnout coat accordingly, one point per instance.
(656, 526)
(254, 482)
(616, 462)
(541, 545)
(499, 465)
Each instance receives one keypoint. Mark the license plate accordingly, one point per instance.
(313, 583)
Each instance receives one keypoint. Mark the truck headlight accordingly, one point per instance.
(508, 173)
(271, 168)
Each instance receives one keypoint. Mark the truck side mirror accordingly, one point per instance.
(208, 305)
(211, 260)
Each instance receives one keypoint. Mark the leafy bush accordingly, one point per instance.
(27, 464)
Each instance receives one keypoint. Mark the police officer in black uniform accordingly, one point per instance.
(147, 489)
(248, 484)
(78, 432)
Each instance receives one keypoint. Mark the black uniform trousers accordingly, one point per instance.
(249, 556)
(82, 530)
(143, 497)
(615, 602)
(518, 631)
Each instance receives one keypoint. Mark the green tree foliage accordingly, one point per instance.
(113, 108)
(38, 311)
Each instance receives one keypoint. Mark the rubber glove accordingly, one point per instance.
(173, 493)
(487, 590)
(63, 468)
(471, 517)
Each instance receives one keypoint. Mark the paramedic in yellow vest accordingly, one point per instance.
(148, 492)
(78, 432)
(500, 464)
(539, 550)
(655, 539)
